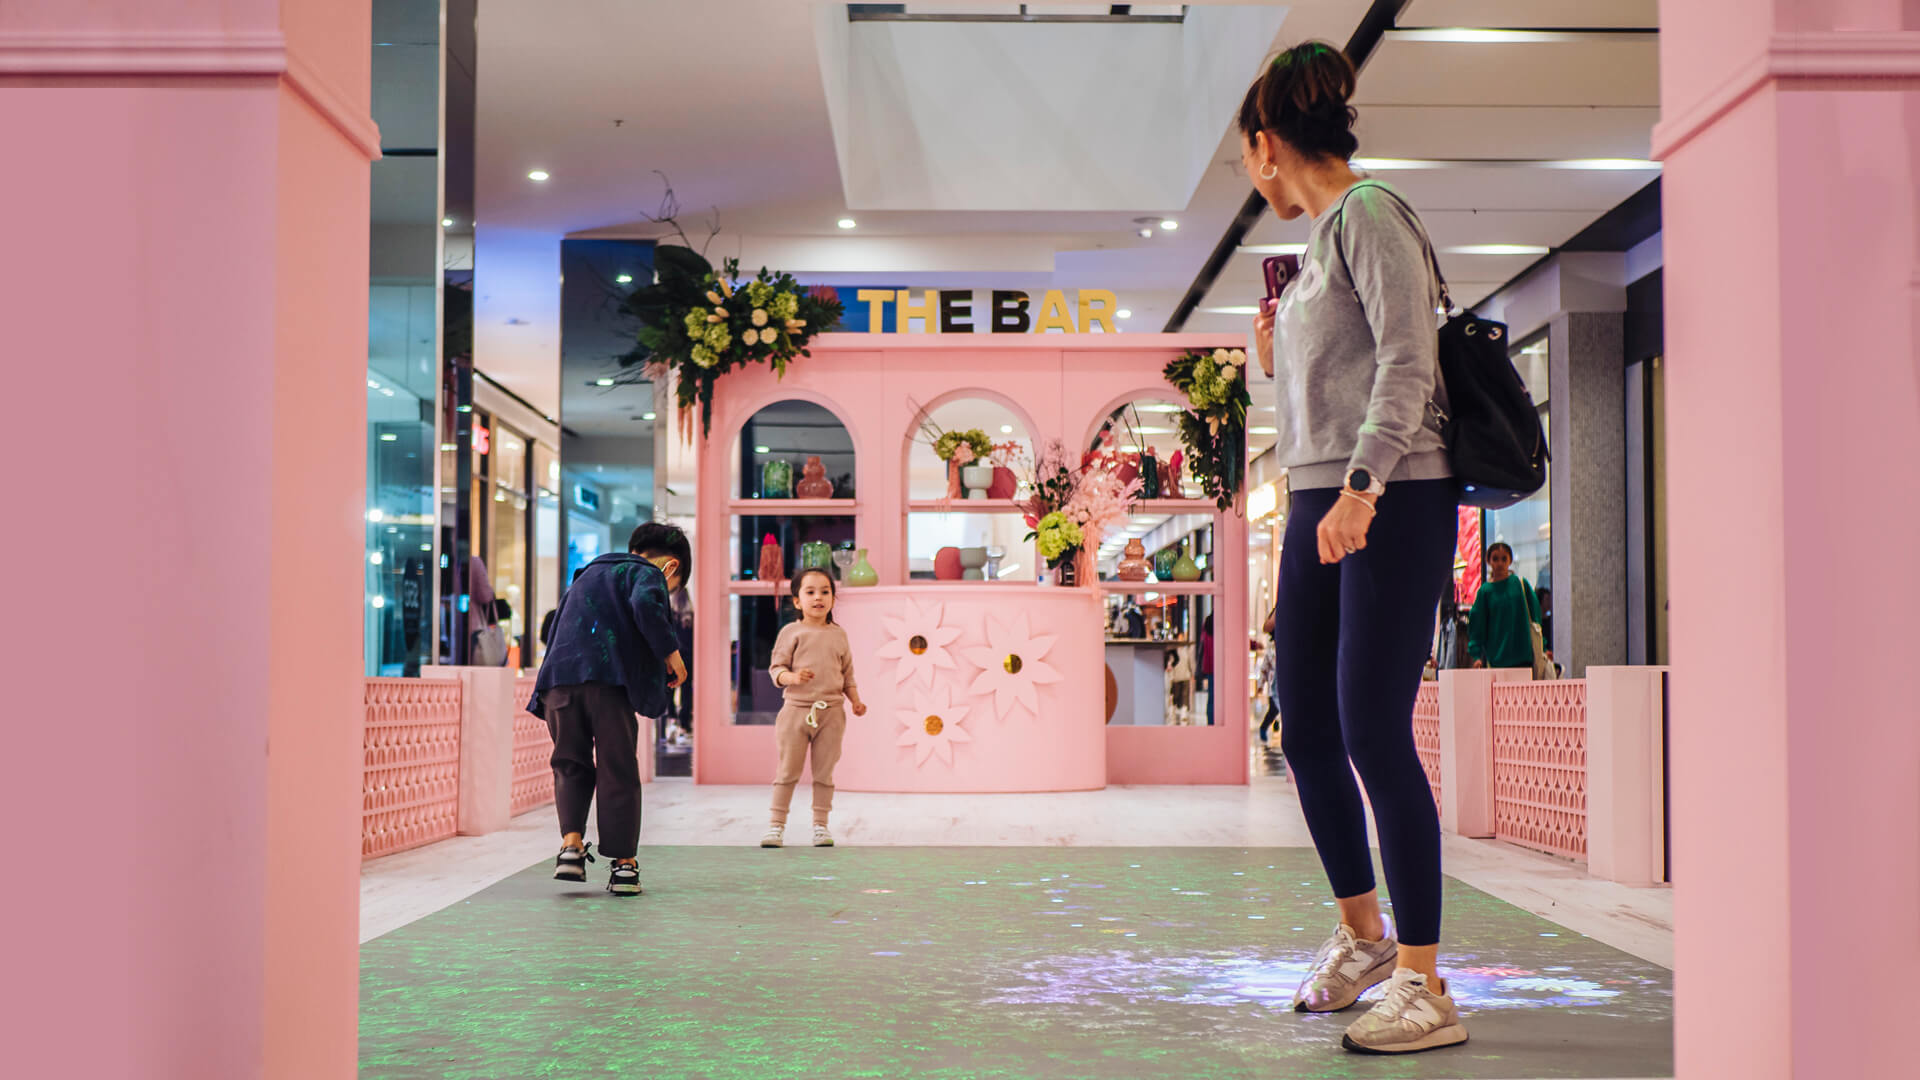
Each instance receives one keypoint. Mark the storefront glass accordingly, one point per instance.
(1527, 526)
(398, 612)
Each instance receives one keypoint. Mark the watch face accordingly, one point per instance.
(1360, 480)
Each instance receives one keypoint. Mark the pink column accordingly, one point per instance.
(1466, 747)
(1789, 137)
(1626, 800)
(184, 295)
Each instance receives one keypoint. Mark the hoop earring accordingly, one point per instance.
(1269, 171)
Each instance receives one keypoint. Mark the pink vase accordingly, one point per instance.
(953, 480)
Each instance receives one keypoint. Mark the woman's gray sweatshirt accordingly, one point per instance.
(1354, 374)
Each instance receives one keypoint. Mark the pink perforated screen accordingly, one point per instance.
(411, 787)
(1426, 734)
(532, 751)
(1540, 765)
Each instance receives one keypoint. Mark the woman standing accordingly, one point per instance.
(1369, 543)
(1505, 611)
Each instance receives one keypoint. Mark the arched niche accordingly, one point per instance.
(788, 432)
(967, 522)
(1144, 420)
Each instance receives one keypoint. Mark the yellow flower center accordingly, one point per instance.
(916, 645)
(1012, 664)
(934, 725)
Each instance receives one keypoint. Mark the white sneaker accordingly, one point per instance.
(1409, 1019)
(821, 837)
(1343, 969)
(775, 836)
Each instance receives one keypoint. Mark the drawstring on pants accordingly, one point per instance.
(813, 714)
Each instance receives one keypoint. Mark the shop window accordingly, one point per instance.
(1160, 653)
(1527, 526)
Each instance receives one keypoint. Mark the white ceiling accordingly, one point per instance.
(731, 99)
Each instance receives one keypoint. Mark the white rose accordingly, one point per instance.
(1220, 356)
(751, 337)
(759, 317)
(1227, 374)
(1239, 357)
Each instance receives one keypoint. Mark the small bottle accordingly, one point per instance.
(771, 562)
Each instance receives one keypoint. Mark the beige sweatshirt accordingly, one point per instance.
(825, 652)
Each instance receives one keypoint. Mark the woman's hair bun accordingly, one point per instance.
(1302, 98)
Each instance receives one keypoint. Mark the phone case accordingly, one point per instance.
(1280, 269)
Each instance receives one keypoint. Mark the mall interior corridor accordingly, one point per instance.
(1123, 933)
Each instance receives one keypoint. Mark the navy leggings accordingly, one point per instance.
(1351, 640)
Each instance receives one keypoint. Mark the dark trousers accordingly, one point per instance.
(595, 752)
(1351, 640)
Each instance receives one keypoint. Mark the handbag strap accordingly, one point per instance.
(1426, 242)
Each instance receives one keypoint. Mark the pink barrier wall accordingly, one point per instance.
(1426, 734)
(412, 788)
(1540, 765)
(532, 749)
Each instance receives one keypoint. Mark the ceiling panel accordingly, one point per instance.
(1455, 132)
(1579, 73)
(1532, 14)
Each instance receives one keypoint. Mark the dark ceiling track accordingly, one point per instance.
(1366, 37)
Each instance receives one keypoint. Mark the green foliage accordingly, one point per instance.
(1214, 427)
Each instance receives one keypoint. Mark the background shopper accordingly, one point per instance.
(1369, 544)
(1500, 627)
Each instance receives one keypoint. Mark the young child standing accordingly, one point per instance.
(615, 653)
(813, 663)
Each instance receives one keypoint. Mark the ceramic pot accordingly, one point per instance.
(776, 480)
(816, 553)
(973, 560)
(1005, 485)
(977, 478)
(946, 564)
(1133, 561)
(814, 483)
(1184, 568)
(862, 573)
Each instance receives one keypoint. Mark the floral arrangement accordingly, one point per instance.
(1214, 427)
(1071, 504)
(698, 323)
(1058, 539)
(975, 442)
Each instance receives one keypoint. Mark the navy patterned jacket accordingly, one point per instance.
(615, 625)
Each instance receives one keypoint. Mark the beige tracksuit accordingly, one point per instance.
(814, 716)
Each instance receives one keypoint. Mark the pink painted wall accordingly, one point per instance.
(185, 300)
(1792, 284)
(1061, 386)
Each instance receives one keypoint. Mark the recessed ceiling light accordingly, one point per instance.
(847, 223)
(762, 450)
(1006, 429)
(373, 384)
(1496, 249)
(1574, 164)
(1273, 249)
(1146, 234)
(1123, 313)
(1237, 309)
(538, 176)
(446, 223)
(646, 416)
(1465, 35)
(448, 447)
(1263, 431)
(624, 279)
(387, 390)
(389, 437)
(1169, 224)
(603, 382)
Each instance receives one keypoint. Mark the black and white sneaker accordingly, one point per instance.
(625, 880)
(571, 863)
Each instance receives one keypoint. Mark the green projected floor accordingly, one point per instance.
(964, 962)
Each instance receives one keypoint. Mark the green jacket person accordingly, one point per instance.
(1500, 627)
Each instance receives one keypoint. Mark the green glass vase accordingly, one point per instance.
(1185, 569)
(861, 574)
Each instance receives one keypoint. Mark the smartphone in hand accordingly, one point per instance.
(1280, 269)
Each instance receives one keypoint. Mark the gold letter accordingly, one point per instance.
(1053, 314)
(1103, 315)
(905, 311)
(876, 301)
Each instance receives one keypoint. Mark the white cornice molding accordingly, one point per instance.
(185, 53)
(1862, 59)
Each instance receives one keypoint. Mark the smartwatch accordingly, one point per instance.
(1362, 482)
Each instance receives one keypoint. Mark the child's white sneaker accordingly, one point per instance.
(821, 837)
(775, 836)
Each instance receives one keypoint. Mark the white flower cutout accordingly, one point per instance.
(1012, 663)
(932, 723)
(917, 643)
